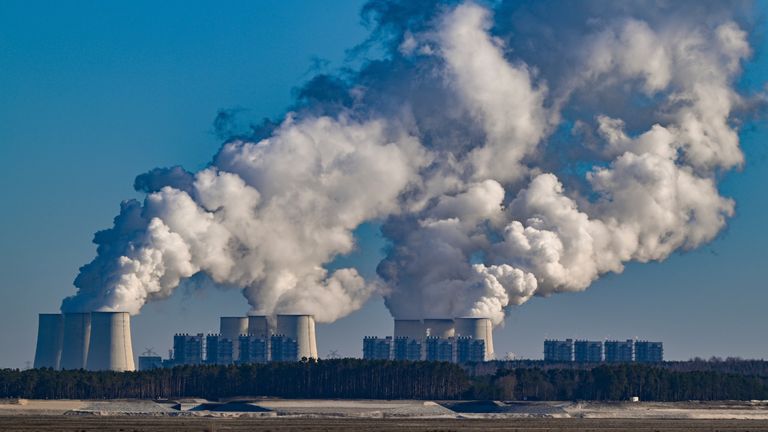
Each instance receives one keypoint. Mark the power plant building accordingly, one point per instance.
(300, 329)
(50, 334)
(439, 349)
(188, 349)
(254, 349)
(620, 351)
(469, 350)
(649, 352)
(558, 350)
(218, 350)
(375, 348)
(232, 328)
(585, 351)
(408, 349)
(284, 349)
(110, 347)
(75, 340)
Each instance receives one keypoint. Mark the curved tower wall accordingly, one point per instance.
(75, 340)
(258, 325)
(231, 328)
(478, 329)
(110, 345)
(302, 329)
(442, 328)
(50, 333)
(408, 328)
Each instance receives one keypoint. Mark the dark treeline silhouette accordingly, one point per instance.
(343, 378)
(381, 379)
(617, 382)
(732, 365)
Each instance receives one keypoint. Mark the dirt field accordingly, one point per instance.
(156, 424)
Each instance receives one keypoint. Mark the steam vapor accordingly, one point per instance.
(515, 151)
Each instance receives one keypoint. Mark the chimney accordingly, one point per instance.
(442, 328)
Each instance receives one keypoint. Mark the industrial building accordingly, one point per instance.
(460, 340)
(612, 351)
(620, 351)
(375, 348)
(649, 352)
(188, 349)
(558, 350)
(93, 341)
(585, 351)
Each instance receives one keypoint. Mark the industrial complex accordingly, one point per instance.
(612, 351)
(458, 340)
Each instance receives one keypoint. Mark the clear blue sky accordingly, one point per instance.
(93, 93)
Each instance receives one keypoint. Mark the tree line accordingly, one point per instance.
(384, 379)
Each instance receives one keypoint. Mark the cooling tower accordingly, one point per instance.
(74, 344)
(231, 328)
(50, 332)
(478, 329)
(302, 329)
(110, 346)
(258, 326)
(412, 329)
(442, 328)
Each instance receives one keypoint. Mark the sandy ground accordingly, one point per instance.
(379, 409)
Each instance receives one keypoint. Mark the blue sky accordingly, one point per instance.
(93, 94)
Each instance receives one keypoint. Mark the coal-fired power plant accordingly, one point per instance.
(110, 345)
(477, 329)
(50, 332)
(74, 345)
(469, 339)
(93, 341)
(301, 328)
(231, 328)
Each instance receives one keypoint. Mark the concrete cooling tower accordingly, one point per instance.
(77, 334)
(231, 328)
(478, 329)
(50, 332)
(258, 326)
(442, 328)
(110, 345)
(407, 328)
(302, 329)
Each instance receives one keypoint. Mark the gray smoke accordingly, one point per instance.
(511, 152)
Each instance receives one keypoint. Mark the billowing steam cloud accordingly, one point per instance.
(513, 152)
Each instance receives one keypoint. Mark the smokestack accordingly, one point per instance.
(478, 329)
(110, 345)
(231, 328)
(77, 335)
(412, 329)
(258, 326)
(302, 329)
(50, 332)
(442, 328)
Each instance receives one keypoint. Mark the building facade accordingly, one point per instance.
(558, 350)
(188, 349)
(620, 351)
(649, 352)
(376, 348)
(585, 351)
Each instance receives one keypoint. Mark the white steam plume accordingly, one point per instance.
(504, 166)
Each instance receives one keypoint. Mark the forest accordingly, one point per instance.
(382, 379)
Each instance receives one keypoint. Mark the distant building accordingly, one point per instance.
(188, 349)
(469, 350)
(284, 348)
(218, 350)
(620, 351)
(408, 349)
(558, 350)
(150, 362)
(254, 349)
(649, 352)
(585, 351)
(439, 349)
(375, 348)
